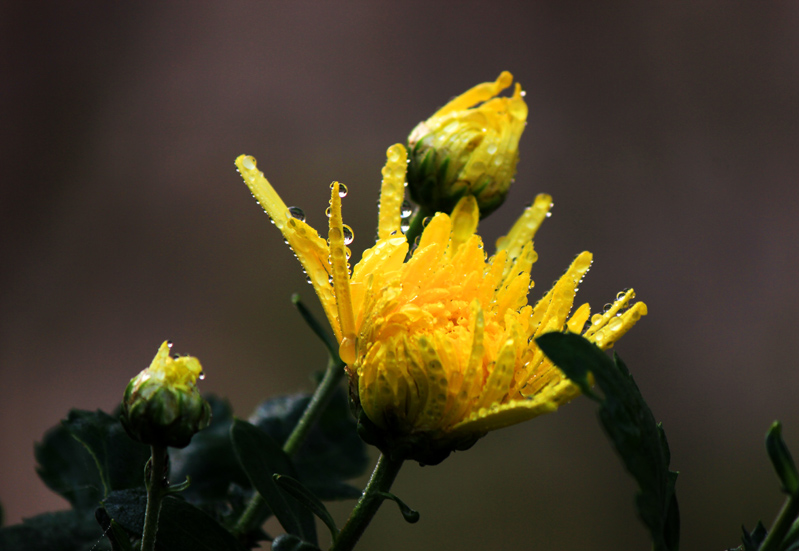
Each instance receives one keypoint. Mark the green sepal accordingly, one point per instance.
(181, 526)
(628, 421)
(305, 497)
(781, 459)
(290, 542)
(261, 457)
(410, 515)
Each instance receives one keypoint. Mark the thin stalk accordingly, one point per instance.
(788, 514)
(417, 225)
(156, 490)
(382, 478)
(256, 508)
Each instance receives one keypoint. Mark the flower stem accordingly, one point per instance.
(155, 480)
(254, 513)
(383, 477)
(786, 517)
(417, 225)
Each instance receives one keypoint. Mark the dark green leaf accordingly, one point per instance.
(117, 536)
(332, 453)
(629, 423)
(410, 515)
(781, 459)
(209, 460)
(67, 468)
(62, 531)
(318, 329)
(261, 457)
(754, 539)
(288, 542)
(306, 498)
(119, 459)
(181, 526)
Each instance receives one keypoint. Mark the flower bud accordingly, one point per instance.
(161, 405)
(469, 147)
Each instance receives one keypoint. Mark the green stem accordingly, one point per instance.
(417, 225)
(383, 477)
(254, 513)
(155, 479)
(788, 513)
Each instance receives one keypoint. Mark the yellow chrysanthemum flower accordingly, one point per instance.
(162, 405)
(468, 147)
(439, 347)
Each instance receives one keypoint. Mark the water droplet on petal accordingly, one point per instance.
(348, 235)
(169, 344)
(328, 212)
(404, 226)
(407, 209)
(248, 162)
(296, 212)
(426, 221)
(342, 190)
(615, 324)
(596, 319)
(201, 376)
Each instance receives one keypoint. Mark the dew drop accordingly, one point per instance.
(406, 210)
(404, 226)
(249, 163)
(615, 324)
(342, 190)
(296, 212)
(549, 214)
(491, 149)
(328, 212)
(426, 221)
(393, 155)
(348, 235)
(169, 344)
(201, 376)
(596, 319)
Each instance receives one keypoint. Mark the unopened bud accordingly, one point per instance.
(162, 405)
(469, 147)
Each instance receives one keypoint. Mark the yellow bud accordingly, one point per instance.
(162, 405)
(468, 147)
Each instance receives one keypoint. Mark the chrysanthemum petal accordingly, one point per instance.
(482, 92)
(341, 277)
(526, 226)
(311, 250)
(392, 191)
(465, 217)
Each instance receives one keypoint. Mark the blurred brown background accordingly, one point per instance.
(667, 134)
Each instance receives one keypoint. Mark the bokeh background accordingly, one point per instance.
(667, 133)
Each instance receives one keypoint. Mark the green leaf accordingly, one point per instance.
(332, 453)
(119, 459)
(318, 329)
(209, 460)
(117, 536)
(181, 526)
(288, 542)
(629, 423)
(67, 468)
(781, 459)
(754, 539)
(61, 531)
(305, 497)
(261, 457)
(411, 516)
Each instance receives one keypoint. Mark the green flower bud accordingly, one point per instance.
(468, 147)
(162, 406)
